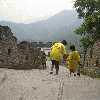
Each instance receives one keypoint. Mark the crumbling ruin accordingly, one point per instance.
(18, 55)
(8, 46)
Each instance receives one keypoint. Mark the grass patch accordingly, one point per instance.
(92, 72)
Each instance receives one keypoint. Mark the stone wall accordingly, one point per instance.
(96, 53)
(12, 53)
(27, 54)
(93, 61)
(8, 46)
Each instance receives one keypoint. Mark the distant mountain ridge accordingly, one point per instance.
(57, 27)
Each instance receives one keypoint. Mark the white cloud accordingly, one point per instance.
(32, 10)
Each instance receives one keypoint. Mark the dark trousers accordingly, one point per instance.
(56, 65)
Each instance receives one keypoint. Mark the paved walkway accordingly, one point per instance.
(40, 85)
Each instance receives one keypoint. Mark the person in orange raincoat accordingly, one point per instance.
(57, 52)
(73, 60)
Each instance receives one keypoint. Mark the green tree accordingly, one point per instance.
(89, 11)
(86, 43)
(90, 27)
(86, 8)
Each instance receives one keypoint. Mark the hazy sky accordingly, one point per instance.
(31, 10)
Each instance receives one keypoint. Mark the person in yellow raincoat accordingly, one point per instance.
(57, 52)
(73, 60)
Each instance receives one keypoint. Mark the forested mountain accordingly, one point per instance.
(57, 27)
